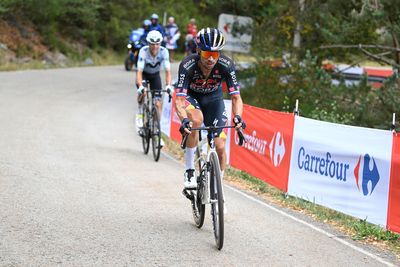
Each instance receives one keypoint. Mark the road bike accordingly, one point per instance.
(209, 183)
(151, 122)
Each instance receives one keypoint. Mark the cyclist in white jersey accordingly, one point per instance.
(150, 60)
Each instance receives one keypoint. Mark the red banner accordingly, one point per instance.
(175, 123)
(393, 222)
(266, 154)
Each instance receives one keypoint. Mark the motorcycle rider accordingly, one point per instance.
(155, 26)
(146, 28)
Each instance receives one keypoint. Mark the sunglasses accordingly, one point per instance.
(207, 54)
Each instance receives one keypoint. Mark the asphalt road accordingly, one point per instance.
(76, 189)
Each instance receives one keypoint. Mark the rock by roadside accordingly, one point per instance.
(88, 62)
(55, 58)
(6, 55)
(49, 58)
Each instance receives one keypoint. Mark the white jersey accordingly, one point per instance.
(149, 64)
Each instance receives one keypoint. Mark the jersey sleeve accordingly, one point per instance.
(231, 80)
(183, 79)
(141, 59)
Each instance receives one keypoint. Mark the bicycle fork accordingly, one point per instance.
(207, 199)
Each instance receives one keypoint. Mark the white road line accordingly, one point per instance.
(311, 226)
(377, 258)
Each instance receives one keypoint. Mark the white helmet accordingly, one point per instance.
(154, 37)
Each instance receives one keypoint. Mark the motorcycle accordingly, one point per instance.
(134, 45)
(132, 57)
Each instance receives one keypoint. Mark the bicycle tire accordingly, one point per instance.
(145, 132)
(128, 63)
(217, 207)
(199, 209)
(155, 135)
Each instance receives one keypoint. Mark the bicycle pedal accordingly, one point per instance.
(187, 195)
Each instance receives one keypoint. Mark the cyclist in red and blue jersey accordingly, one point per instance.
(200, 98)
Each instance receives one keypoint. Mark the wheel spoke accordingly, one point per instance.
(145, 130)
(155, 134)
(217, 207)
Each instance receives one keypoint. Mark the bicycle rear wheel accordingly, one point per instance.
(198, 208)
(145, 132)
(217, 201)
(155, 134)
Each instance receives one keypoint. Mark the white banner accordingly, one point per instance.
(166, 116)
(237, 30)
(342, 167)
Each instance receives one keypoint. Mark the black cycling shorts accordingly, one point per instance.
(155, 83)
(213, 108)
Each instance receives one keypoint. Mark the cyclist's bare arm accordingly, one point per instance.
(168, 76)
(237, 105)
(180, 108)
(139, 77)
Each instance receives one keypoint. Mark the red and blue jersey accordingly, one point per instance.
(191, 78)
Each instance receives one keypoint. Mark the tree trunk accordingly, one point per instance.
(297, 36)
(395, 41)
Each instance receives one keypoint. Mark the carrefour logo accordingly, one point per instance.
(368, 176)
(260, 146)
(277, 149)
(332, 167)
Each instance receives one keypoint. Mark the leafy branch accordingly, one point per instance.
(363, 48)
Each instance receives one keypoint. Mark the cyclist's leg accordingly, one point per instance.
(195, 115)
(140, 101)
(155, 84)
(215, 114)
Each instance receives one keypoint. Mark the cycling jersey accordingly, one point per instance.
(205, 93)
(191, 78)
(151, 65)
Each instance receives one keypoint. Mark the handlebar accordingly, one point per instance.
(213, 128)
(147, 90)
(156, 90)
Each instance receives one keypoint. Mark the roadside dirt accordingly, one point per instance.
(21, 38)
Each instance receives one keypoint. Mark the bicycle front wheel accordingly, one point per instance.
(199, 209)
(145, 131)
(155, 135)
(217, 201)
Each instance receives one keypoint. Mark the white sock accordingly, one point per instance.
(189, 157)
(140, 108)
